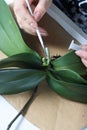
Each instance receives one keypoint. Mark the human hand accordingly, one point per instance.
(24, 18)
(83, 54)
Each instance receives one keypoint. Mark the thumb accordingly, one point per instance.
(41, 9)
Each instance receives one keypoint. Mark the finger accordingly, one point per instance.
(29, 28)
(41, 8)
(43, 32)
(84, 47)
(84, 62)
(24, 19)
(82, 54)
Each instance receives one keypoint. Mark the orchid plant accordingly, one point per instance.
(24, 68)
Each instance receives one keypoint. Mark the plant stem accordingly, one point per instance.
(24, 109)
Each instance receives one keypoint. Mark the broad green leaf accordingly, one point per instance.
(72, 91)
(69, 61)
(23, 60)
(69, 76)
(14, 81)
(11, 41)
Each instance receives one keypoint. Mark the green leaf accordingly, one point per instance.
(71, 91)
(11, 41)
(23, 60)
(14, 81)
(69, 61)
(69, 76)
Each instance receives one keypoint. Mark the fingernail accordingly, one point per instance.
(33, 24)
(37, 16)
(44, 33)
